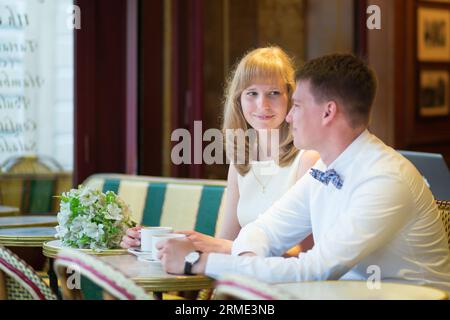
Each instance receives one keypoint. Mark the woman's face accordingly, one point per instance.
(265, 104)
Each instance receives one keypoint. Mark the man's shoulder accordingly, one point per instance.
(379, 159)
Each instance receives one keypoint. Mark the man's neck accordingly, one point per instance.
(337, 143)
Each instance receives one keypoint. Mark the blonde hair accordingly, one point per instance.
(269, 63)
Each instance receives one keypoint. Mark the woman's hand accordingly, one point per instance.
(132, 238)
(205, 243)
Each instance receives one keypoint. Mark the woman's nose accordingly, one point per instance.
(263, 102)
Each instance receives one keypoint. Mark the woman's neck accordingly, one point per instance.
(268, 140)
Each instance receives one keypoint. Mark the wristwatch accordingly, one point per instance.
(190, 259)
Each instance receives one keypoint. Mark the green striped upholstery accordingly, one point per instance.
(184, 204)
(33, 193)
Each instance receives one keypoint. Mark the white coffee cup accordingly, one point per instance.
(148, 232)
(161, 237)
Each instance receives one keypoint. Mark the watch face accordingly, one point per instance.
(192, 257)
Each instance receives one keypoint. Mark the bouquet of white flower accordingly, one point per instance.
(90, 219)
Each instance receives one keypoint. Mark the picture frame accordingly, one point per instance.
(434, 93)
(433, 34)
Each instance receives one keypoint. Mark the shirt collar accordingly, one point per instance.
(349, 154)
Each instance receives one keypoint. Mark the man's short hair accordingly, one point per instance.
(343, 78)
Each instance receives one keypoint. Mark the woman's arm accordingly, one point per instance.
(307, 160)
(230, 224)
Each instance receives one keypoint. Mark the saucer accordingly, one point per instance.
(148, 258)
(138, 252)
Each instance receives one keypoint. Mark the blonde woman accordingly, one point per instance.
(258, 96)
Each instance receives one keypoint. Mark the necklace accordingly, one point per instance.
(263, 186)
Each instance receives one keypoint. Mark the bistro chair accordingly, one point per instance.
(238, 287)
(84, 276)
(31, 182)
(18, 281)
(31, 164)
(444, 209)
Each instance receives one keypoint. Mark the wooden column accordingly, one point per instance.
(105, 88)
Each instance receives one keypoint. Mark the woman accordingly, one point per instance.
(258, 97)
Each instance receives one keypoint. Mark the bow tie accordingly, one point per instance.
(327, 176)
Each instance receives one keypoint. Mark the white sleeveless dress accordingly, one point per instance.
(265, 183)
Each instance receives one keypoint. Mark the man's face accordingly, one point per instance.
(305, 117)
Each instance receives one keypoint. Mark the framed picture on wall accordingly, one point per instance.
(433, 34)
(441, 1)
(434, 93)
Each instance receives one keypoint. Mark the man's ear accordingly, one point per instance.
(329, 112)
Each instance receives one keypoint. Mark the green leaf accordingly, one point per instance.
(74, 204)
(85, 239)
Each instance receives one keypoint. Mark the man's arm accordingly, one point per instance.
(379, 209)
(283, 225)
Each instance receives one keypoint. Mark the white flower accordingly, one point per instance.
(91, 230)
(113, 212)
(78, 224)
(88, 197)
(63, 217)
(61, 231)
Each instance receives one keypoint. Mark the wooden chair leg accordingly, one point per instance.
(107, 296)
(68, 294)
(3, 292)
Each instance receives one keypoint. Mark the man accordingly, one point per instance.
(367, 206)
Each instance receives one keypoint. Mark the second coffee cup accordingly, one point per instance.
(148, 232)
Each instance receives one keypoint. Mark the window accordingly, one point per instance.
(36, 80)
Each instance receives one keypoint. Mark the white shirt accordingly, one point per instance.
(267, 175)
(383, 218)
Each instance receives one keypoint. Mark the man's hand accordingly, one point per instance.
(132, 238)
(172, 253)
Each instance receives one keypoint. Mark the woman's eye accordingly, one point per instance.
(274, 93)
(251, 93)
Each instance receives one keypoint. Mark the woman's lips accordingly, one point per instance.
(264, 117)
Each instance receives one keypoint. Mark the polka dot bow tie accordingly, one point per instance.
(327, 176)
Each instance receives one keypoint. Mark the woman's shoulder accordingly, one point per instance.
(309, 156)
(307, 159)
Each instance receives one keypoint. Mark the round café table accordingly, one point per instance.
(28, 221)
(360, 290)
(26, 237)
(50, 249)
(27, 243)
(8, 211)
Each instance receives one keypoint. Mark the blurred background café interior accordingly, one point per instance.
(100, 87)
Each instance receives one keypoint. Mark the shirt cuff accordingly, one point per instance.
(239, 248)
